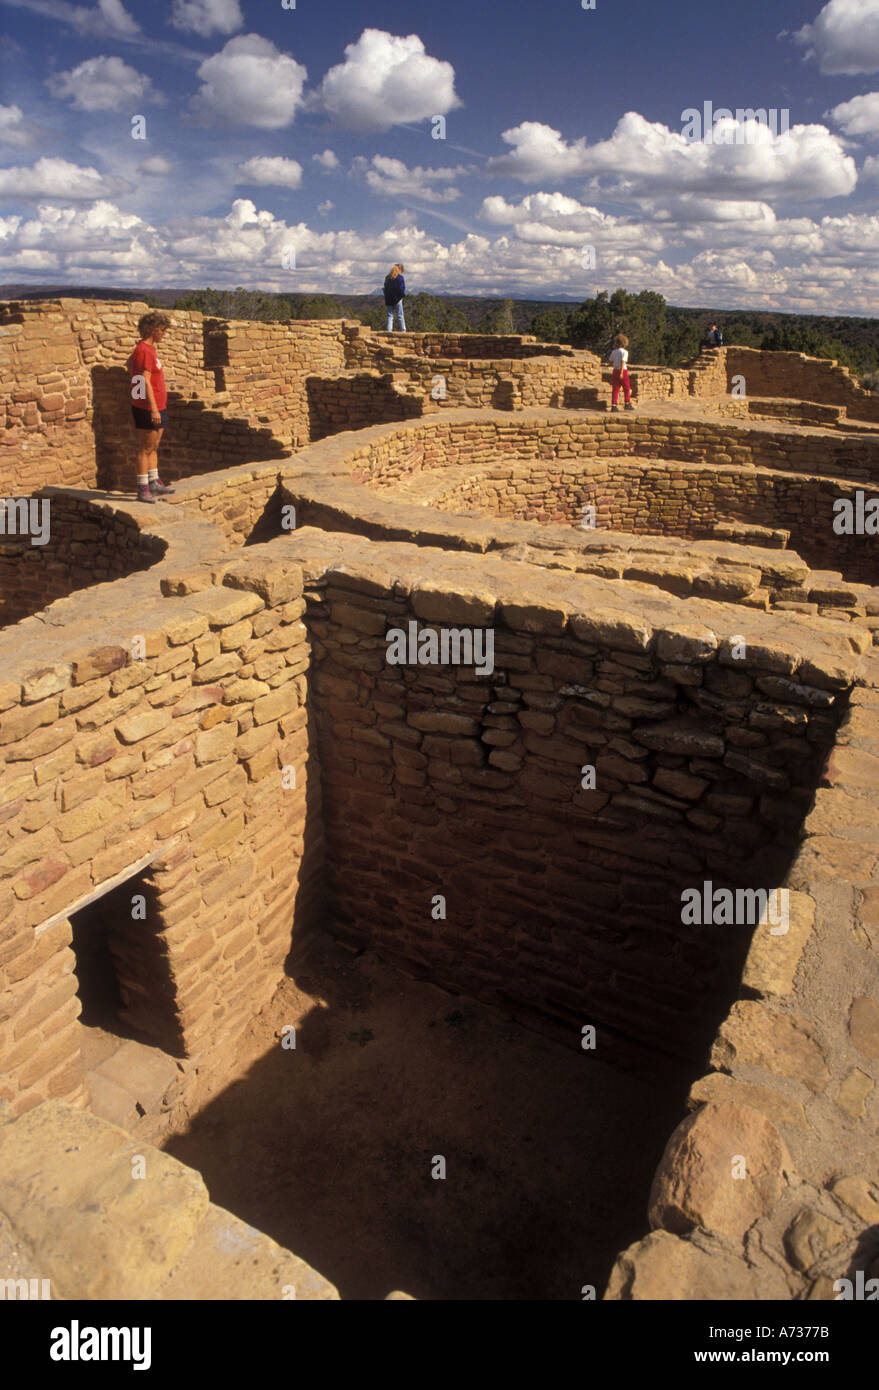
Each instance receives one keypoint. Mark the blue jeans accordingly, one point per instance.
(391, 308)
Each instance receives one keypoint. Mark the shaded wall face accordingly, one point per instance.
(109, 760)
(197, 440)
(675, 500)
(73, 545)
(462, 840)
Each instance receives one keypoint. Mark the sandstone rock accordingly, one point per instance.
(686, 642)
(810, 1236)
(453, 605)
(616, 628)
(863, 1026)
(722, 1089)
(49, 680)
(774, 954)
(784, 1044)
(853, 1092)
(96, 1230)
(99, 662)
(663, 1267)
(857, 1194)
(679, 738)
(695, 1184)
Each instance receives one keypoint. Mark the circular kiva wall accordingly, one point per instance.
(656, 497)
(658, 477)
(53, 544)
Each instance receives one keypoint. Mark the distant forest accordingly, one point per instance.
(659, 333)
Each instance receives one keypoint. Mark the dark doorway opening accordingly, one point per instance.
(125, 982)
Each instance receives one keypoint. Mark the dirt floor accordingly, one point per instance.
(330, 1147)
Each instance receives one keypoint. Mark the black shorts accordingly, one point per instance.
(142, 420)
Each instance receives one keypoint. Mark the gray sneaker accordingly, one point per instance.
(144, 494)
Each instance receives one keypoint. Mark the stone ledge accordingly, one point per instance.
(70, 1194)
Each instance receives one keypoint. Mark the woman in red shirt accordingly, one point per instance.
(149, 400)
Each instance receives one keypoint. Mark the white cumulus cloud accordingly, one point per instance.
(391, 178)
(102, 84)
(384, 80)
(859, 116)
(207, 16)
(643, 158)
(14, 129)
(249, 82)
(270, 169)
(58, 178)
(328, 160)
(844, 37)
(552, 219)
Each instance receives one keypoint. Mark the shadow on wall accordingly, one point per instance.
(87, 545)
(270, 523)
(197, 439)
(353, 402)
(126, 985)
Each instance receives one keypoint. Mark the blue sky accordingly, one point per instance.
(294, 148)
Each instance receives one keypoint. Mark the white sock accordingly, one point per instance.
(154, 475)
(142, 480)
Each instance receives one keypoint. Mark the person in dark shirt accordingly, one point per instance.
(395, 291)
(714, 337)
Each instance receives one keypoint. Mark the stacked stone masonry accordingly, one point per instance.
(200, 694)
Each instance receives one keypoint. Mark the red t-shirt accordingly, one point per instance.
(145, 359)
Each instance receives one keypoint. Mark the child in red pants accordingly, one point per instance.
(619, 358)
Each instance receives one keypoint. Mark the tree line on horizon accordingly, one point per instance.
(659, 334)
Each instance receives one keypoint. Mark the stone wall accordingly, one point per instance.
(796, 376)
(369, 346)
(88, 543)
(672, 499)
(558, 901)
(441, 443)
(45, 401)
(113, 759)
(791, 1094)
(504, 373)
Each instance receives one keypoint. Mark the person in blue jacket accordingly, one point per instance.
(714, 337)
(395, 291)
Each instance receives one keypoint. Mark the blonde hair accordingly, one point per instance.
(621, 340)
(394, 271)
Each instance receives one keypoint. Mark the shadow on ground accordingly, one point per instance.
(329, 1147)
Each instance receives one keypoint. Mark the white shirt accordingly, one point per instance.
(619, 357)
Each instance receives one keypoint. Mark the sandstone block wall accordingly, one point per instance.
(110, 761)
(441, 443)
(652, 497)
(792, 1081)
(370, 347)
(560, 902)
(45, 402)
(88, 544)
(794, 375)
